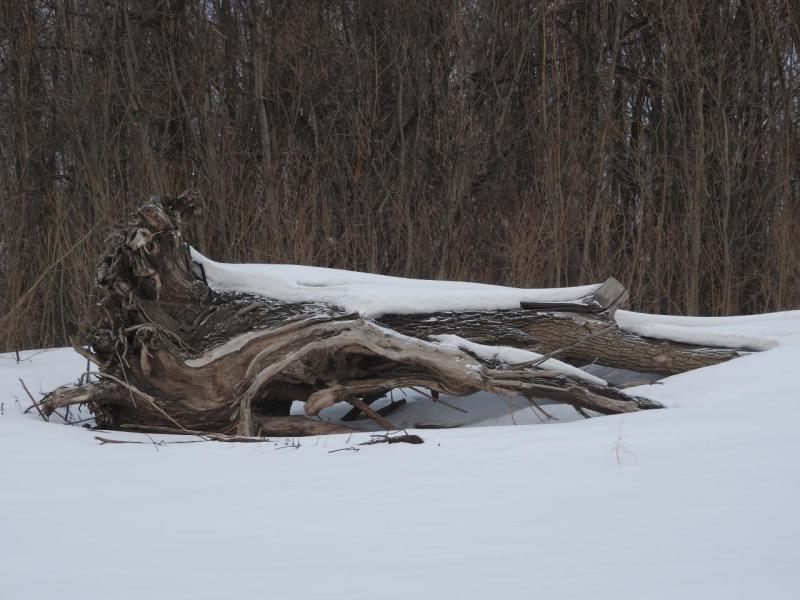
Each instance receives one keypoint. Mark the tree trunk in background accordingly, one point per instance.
(426, 139)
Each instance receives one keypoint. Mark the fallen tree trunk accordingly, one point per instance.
(175, 354)
(577, 337)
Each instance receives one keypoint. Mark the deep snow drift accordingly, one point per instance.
(752, 332)
(695, 501)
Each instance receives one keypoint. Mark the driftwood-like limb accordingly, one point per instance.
(174, 354)
(372, 414)
(580, 338)
(35, 403)
(604, 299)
(391, 407)
(296, 425)
(623, 349)
(271, 366)
(271, 426)
(406, 438)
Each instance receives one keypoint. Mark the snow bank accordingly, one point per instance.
(695, 501)
(699, 501)
(373, 295)
(753, 332)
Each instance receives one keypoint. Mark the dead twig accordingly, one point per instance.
(85, 353)
(372, 414)
(408, 438)
(105, 440)
(534, 404)
(434, 395)
(295, 444)
(538, 361)
(35, 403)
(43, 275)
(582, 412)
(355, 413)
(390, 408)
(207, 436)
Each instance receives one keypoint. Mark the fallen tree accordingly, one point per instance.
(176, 355)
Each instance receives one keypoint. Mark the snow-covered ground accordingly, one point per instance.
(696, 501)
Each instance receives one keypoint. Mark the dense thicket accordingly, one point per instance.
(530, 143)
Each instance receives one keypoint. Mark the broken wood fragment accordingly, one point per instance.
(608, 296)
(372, 414)
(408, 438)
(33, 400)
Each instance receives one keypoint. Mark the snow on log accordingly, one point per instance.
(186, 344)
(568, 320)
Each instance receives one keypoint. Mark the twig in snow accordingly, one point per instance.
(207, 436)
(35, 403)
(538, 407)
(90, 358)
(294, 444)
(105, 440)
(582, 412)
(406, 438)
(620, 450)
(346, 448)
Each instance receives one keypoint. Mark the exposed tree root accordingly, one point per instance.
(176, 355)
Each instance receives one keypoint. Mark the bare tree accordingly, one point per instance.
(547, 143)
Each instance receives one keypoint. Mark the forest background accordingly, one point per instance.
(540, 143)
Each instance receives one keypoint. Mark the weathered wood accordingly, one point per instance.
(620, 348)
(172, 353)
(608, 296)
(232, 387)
(372, 414)
(295, 426)
(355, 412)
(575, 333)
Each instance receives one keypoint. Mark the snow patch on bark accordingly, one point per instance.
(373, 295)
(514, 356)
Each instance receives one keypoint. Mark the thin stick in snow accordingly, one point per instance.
(35, 403)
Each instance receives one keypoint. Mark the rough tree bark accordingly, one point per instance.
(173, 354)
(577, 337)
